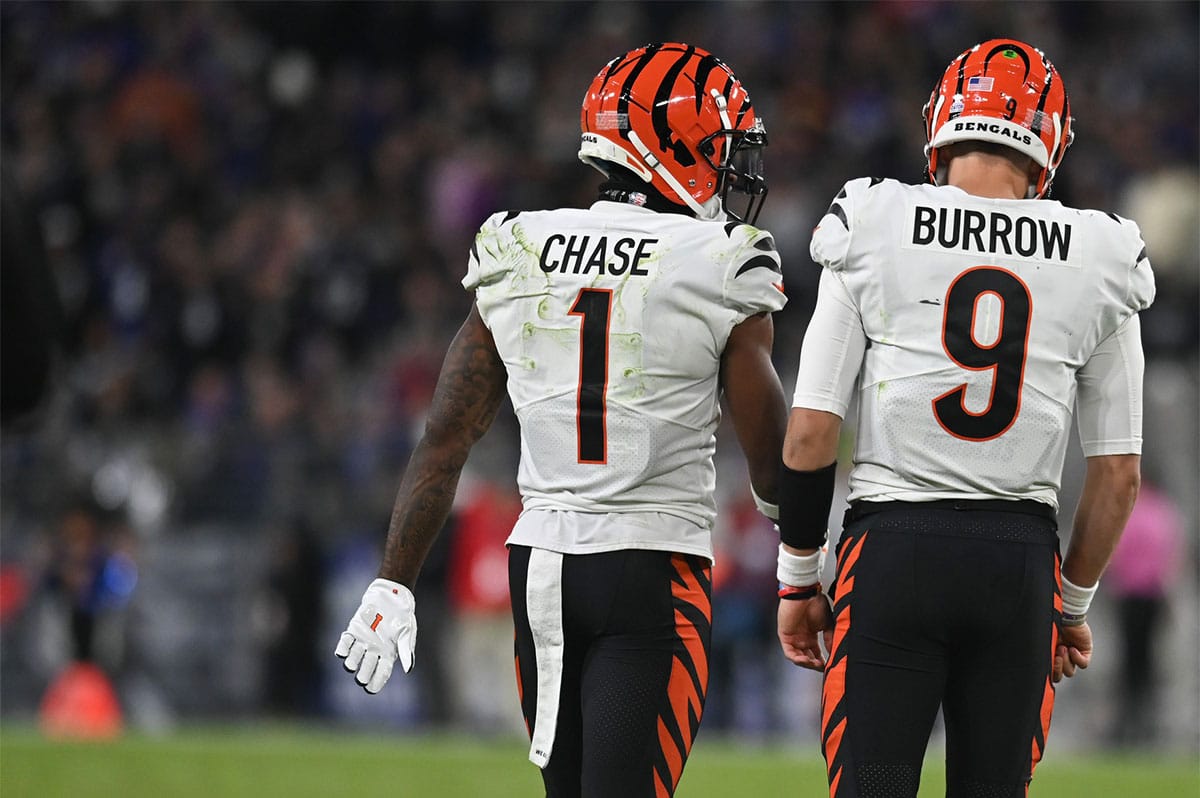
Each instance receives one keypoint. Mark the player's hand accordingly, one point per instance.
(801, 623)
(1074, 650)
(384, 627)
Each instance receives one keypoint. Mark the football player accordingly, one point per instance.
(969, 316)
(616, 330)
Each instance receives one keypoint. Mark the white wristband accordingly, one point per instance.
(1076, 599)
(800, 570)
(765, 507)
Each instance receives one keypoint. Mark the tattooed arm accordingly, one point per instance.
(469, 391)
(468, 395)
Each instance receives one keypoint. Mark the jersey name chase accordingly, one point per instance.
(995, 233)
(583, 254)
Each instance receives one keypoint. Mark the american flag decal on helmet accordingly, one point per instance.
(612, 120)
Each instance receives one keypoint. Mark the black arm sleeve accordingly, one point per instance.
(805, 498)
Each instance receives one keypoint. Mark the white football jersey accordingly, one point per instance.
(611, 322)
(978, 316)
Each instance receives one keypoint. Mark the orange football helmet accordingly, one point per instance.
(1002, 91)
(677, 117)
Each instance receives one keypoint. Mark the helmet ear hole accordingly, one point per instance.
(682, 154)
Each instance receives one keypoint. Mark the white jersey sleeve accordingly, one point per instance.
(611, 322)
(754, 281)
(834, 345)
(831, 238)
(486, 270)
(979, 317)
(1110, 394)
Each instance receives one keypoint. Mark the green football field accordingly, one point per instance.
(291, 763)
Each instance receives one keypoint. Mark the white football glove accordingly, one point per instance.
(383, 627)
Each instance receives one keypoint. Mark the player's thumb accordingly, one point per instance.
(406, 645)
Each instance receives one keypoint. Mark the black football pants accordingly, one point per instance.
(635, 627)
(937, 607)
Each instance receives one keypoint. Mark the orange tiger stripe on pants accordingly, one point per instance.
(1038, 746)
(688, 683)
(833, 692)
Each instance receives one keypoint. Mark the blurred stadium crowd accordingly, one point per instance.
(256, 216)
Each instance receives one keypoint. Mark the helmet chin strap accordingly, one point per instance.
(938, 179)
(722, 106)
(714, 202)
(1047, 176)
(667, 177)
(711, 209)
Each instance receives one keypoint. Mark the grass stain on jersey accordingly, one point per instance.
(634, 378)
(628, 347)
(631, 341)
(563, 336)
(514, 250)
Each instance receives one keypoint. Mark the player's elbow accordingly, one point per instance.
(812, 439)
(1128, 483)
(1118, 476)
(451, 440)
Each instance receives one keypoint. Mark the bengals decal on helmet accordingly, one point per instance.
(1006, 92)
(677, 117)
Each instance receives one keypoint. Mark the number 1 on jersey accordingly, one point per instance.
(593, 306)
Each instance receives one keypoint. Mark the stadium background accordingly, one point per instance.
(256, 216)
